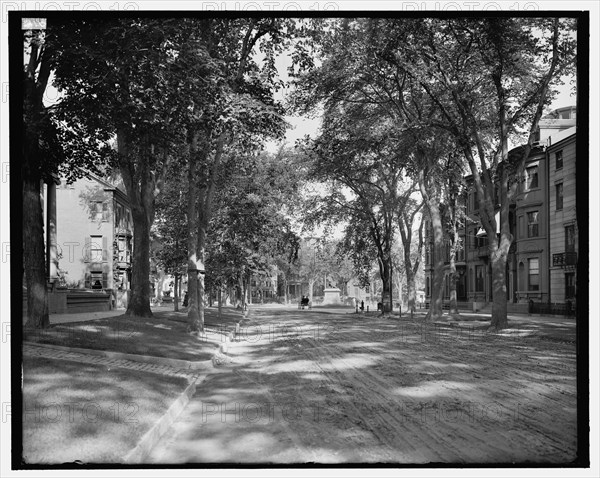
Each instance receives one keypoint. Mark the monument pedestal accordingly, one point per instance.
(332, 296)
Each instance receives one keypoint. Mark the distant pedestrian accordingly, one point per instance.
(362, 305)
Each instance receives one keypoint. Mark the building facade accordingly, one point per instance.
(92, 241)
(542, 260)
(562, 224)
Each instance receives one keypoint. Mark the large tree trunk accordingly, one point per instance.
(452, 278)
(194, 323)
(432, 203)
(176, 294)
(412, 289)
(436, 309)
(499, 307)
(220, 300)
(34, 258)
(140, 186)
(201, 251)
(139, 305)
(206, 194)
(34, 261)
(311, 285)
(385, 269)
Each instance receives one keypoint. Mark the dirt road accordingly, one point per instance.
(331, 386)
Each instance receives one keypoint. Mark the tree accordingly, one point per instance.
(123, 77)
(251, 227)
(169, 229)
(49, 152)
(388, 115)
(406, 214)
(491, 79)
(244, 112)
(35, 125)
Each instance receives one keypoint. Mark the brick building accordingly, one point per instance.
(541, 265)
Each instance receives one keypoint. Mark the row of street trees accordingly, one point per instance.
(181, 108)
(418, 103)
(188, 103)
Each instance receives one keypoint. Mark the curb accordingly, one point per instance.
(175, 363)
(151, 438)
(158, 430)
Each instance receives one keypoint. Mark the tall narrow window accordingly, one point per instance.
(570, 285)
(570, 238)
(558, 156)
(479, 279)
(96, 211)
(532, 177)
(521, 227)
(534, 274)
(96, 248)
(559, 196)
(532, 224)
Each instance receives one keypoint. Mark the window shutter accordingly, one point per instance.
(104, 280)
(104, 249)
(88, 285)
(105, 211)
(86, 250)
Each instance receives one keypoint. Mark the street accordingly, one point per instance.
(332, 386)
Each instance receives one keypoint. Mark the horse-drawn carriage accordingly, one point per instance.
(304, 302)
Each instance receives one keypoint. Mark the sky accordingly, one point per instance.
(301, 126)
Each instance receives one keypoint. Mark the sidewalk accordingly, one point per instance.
(84, 317)
(135, 396)
(31, 350)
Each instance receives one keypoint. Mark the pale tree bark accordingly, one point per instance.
(405, 222)
(196, 154)
(206, 194)
(454, 245)
(176, 293)
(220, 300)
(383, 242)
(452, 278)
(430, 195)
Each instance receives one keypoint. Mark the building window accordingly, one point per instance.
(531, 177)
(479, 278)
(521, 227)
(96, 248)
(470, 272)
(97, 211)
(460, 253)
(559, 196)
(96, 280)
(532, 224)
(558, 156)
(534, 274)
(570, 238)
(570, 285)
